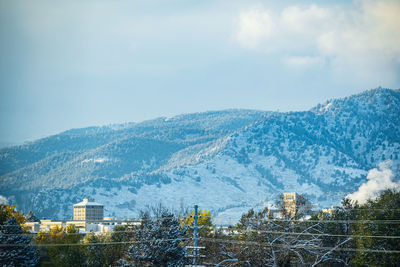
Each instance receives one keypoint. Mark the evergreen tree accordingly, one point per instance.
(15, 249)
(95, 254)
(158, 241)
(385, 208)
(120, 234)
(30, 217)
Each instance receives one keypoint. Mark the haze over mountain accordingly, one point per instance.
(227, 161)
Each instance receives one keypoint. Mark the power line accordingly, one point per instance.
(320, 234)
(238, 242)
(216, 228)
(86, 233)
(215, 240)
(329, 221)
(337, 221)
(237, 231)
(300, 246)
(89, 244)
(366, 209)
(276, 220)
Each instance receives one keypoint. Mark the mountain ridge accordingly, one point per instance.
(324, 152)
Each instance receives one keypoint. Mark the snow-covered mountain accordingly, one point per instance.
(225, 161)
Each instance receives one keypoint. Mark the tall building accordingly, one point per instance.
(290, 203)
(88, 210)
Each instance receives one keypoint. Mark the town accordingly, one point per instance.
(292, 232)
(89, 216)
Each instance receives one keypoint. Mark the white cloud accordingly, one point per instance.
(305, 21)
(3, 200)
(255, 25)
(360, 39)
(379, 179)
(366, 41)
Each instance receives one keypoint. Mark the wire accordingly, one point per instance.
(236, 231)
(87, 233)
(211, 240)
(321, 234)
(366, 209)
(89, 244)
(215, 240)
(301, 246)
(278, 220)
(337, 221)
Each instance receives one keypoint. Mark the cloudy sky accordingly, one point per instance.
(70, 64)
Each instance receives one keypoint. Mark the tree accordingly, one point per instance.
(204, 222)
(207, 232)
(15, 249)
(364, 231)
(158, 241)
(98, 254)
(277, 242)
(30, 217)
(95, 254)
(371, 234)
(63, 246)
(338, 229)
(122, 236)
(8, 211)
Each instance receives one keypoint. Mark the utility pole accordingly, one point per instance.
(195, 247)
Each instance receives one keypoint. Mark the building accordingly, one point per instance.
(88, 210)
(83, 226)
(88, 217)
(325, 213)
(290, 204)
(296, 206)
(329, 210)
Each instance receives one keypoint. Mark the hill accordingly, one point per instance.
(227, 161)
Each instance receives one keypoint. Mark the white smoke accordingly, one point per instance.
(3, 200)
(379, 179)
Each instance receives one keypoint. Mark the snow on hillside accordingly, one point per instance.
(225, 161)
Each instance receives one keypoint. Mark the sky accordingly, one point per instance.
(78, 63)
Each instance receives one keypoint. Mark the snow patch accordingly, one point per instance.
(97, 160)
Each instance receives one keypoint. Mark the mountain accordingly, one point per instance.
(226, 161)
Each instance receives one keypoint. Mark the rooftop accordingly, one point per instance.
(88, 202)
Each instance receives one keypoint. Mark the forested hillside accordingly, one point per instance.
(226, 161)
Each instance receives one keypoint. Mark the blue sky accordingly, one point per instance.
(71, 64)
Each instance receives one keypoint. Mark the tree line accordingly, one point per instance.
(351, 235)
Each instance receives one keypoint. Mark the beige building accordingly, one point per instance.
(88, 210)
(290, 203)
